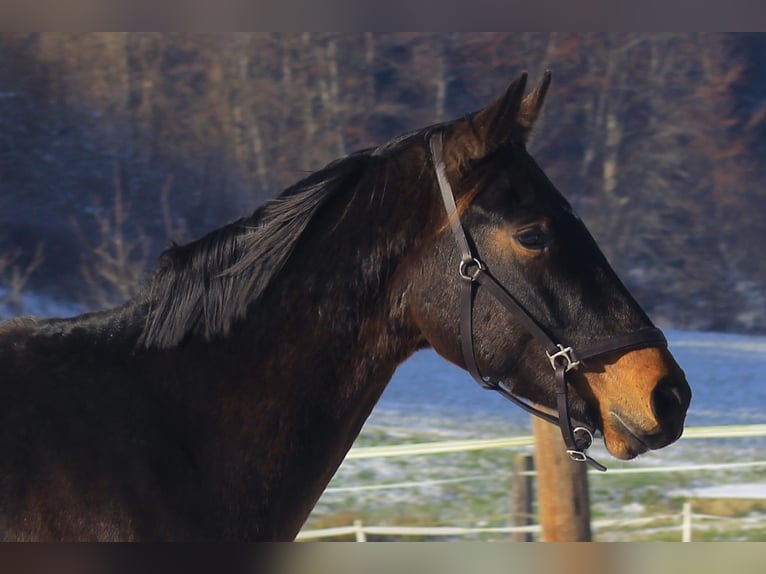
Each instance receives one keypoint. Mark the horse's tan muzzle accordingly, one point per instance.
(642, 398)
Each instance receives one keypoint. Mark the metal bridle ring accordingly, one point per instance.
(463, 268)
(589, 436)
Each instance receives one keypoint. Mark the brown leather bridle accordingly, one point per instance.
(577, 436)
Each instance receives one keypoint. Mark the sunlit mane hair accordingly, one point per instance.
(202, 287)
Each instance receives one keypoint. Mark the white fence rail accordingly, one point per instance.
(612, 472)
(732, 431)
(361, 531)
(683, 523)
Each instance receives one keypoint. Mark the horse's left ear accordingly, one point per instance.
(513, 116)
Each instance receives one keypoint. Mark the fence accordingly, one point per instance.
(691, 433)
(684, 523)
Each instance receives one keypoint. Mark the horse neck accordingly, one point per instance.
(341, 298)
(303, 371)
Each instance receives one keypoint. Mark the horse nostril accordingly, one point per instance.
(668, 401)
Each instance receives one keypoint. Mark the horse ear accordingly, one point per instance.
(513, 116)
(497, 123)
(532, 106)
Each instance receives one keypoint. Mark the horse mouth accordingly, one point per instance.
(625, 441)
(621, 440)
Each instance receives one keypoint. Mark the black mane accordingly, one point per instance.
(203, 287)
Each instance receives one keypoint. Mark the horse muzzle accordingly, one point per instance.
(649, 411)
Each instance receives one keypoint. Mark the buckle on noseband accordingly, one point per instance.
(565, 354)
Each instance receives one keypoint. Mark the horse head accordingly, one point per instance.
(527, 238)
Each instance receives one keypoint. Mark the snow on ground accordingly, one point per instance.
(755, 490)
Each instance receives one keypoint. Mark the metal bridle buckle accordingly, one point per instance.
(564, 353)
(465, 272)
(579, 455)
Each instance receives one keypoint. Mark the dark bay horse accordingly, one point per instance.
(219, 403)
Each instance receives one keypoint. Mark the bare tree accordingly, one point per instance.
(113, 266)
(14, 276)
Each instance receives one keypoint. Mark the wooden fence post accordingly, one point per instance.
(562, 488)
(522, 494)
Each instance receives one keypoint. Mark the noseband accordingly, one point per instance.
(473, 273)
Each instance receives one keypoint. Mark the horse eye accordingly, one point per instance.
(533, 238)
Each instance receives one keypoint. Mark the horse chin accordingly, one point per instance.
(620, 440)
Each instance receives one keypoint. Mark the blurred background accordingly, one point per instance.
(114, 144)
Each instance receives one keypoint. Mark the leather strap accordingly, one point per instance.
(623, 343)
(575, 448)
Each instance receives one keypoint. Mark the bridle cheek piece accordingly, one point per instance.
(577, 436)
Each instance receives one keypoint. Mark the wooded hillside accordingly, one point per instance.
(111, 142)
